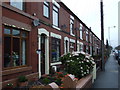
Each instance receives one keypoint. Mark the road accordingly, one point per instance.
(110, 78)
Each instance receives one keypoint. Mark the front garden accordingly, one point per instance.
(76, 72)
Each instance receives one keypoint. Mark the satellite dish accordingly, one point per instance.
(36, 22)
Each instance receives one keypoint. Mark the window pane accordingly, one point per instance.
(23, 52)
(7, 51)
(46, 11)
(55, 50)
(16, 33)
(17, 3)
(71, 26)
(16, 52)
(55, 18)
(6, 31)
(55, 8)
(72, 45)
(80, 34)
(24, 34)
(66, 45)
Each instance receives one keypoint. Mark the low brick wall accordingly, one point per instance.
(85, 82)
(70, 82)
(15, 81)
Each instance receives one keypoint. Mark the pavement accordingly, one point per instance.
(110, 78)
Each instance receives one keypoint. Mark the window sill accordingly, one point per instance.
(16, 70)
(55, 27)
(81, 38)
(72, 34)
(46, 17)
(56, 63)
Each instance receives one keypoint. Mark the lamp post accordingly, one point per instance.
(109, 33)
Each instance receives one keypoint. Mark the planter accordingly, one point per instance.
(69, 82)
(50, 86)
(85, 82)
(23, 84)
(8, 87)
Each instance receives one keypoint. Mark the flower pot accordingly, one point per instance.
(9, 87)
(22, 84)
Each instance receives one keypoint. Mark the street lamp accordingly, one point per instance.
(109, 33)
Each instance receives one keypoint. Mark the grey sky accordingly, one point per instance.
(89, 12)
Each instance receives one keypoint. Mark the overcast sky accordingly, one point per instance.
(89, 12)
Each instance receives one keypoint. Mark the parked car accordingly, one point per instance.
(116, 54)
(119, 57)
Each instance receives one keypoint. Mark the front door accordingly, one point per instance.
(43, 44)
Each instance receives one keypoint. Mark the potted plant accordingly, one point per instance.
(23, 81)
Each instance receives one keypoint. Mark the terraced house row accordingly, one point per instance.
(34, 35)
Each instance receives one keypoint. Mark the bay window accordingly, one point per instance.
(15, 47)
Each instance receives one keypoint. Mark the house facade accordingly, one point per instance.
(35, 34)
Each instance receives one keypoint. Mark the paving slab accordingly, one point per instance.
(110, 78)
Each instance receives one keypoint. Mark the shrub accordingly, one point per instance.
(46, 81)
(22, 79)
(77, 64)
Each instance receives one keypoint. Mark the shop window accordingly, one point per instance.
(15, 47)
(55, 49)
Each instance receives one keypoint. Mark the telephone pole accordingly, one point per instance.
(102, 35)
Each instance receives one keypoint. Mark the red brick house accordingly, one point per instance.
(35, 34)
